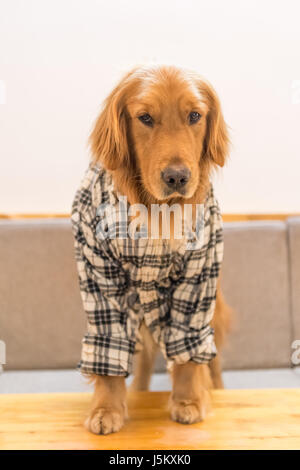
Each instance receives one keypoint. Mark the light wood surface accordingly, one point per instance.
(240, 419)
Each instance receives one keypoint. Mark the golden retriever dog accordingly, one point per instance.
(160, 134)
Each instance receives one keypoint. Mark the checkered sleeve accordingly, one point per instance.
(106, 347)
(189, 335)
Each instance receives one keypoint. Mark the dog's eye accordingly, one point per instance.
(146, 119)
(194, 117)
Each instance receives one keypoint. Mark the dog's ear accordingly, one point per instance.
(216, 141)
(109, 138)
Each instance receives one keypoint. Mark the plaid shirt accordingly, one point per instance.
(125, 281)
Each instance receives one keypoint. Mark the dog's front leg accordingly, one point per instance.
(190, 398)
(109, 408)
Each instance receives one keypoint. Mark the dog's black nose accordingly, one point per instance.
(176, 176)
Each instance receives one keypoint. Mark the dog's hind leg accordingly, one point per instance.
(221, 323)
(144, 362)
(216, 372)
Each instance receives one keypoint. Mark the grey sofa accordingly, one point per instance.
(41, 315)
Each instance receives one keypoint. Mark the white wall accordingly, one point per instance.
(59, 59)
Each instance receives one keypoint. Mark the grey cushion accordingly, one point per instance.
(41, 314)
(255, 283)
(293, 224)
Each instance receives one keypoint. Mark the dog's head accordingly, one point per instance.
(163, 128)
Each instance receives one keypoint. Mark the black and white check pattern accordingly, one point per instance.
(125, 281)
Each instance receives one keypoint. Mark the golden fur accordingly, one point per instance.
(137, 154)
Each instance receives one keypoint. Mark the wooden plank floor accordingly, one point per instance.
(240, 419)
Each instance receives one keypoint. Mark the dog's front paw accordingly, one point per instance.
(105, 421)
(188, 411)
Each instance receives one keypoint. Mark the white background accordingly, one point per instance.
(60, 58)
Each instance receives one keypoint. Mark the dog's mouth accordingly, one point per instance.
(163, 193)
(168, 192)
